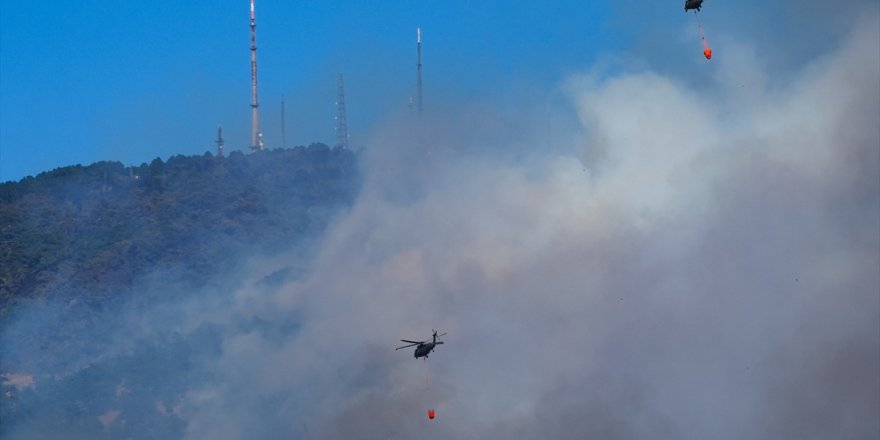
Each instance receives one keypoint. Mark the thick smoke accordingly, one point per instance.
(706, 267)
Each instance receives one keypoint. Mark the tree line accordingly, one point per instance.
(94, 230)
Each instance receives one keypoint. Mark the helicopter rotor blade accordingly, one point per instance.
(441, 334)
(412, 342)
(406, 346)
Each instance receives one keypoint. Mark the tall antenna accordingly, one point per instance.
(256, 135)
(341, 126)
(283, 125)
(419, 67)
(219, 140)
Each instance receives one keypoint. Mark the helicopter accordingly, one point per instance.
(692, 4)
(424, 347)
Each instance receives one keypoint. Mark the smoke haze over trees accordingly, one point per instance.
(92, 231)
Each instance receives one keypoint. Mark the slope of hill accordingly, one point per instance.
(94, 230)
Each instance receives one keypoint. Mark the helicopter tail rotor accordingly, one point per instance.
(435, 336)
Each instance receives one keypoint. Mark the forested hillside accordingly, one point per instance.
(94, 230)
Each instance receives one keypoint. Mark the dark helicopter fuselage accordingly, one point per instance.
(424, 349)
(692, 4)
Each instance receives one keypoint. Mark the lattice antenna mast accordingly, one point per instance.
(341, 125)
(256, 134)
(419, 70)
(219, 140)
(283, 125)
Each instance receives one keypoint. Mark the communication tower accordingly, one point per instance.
(256, 134)
(219, 140)
(341, 126)
(419, 70)
(283, 125)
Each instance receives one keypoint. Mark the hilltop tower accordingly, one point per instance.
(283, 125)
(219, 140)
(256, 134)
(341, 125)
(419, 70)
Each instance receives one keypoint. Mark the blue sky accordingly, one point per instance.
(130, 81)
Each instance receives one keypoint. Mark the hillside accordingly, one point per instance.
(94, 230)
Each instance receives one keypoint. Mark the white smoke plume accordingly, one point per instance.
(706, 269)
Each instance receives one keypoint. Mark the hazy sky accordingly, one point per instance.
(129, 81)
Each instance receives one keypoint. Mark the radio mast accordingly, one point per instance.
(419, 70)
(256, 134)
(283, 125)
(341, 125)
(219, 140)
